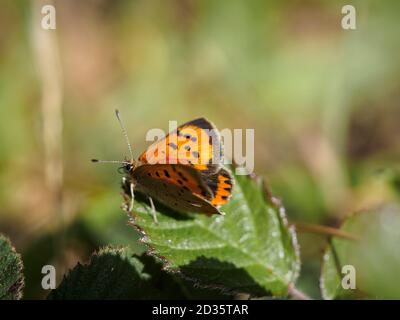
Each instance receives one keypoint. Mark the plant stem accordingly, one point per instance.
(320, 229)
(297, 294)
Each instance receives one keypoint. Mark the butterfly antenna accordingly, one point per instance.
(110, 161)
(124, 132)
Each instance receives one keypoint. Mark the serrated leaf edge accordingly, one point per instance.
(167, 266)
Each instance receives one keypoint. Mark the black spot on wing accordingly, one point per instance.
(166, 173)
(196, 154)
(182, 176)
(173, 145)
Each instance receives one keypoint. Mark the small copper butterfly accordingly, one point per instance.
(183, 170)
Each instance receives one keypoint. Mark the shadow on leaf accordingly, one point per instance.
(111, 274)
(214, 273)
(119, 274)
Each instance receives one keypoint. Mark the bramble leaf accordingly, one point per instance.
(114, 273)
(117, 273)
(250, 249)
(11, 276)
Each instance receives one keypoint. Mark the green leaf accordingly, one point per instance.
(174, 287)
(249, 250)
(114, 273)
(11, 276)
(374, 255)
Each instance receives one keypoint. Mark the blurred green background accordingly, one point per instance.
(324, 103)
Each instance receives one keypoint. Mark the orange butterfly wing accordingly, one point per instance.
(195, 143)
(221, 185)
(192, 150)
(177, 186)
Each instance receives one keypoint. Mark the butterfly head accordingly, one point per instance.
(128, 166)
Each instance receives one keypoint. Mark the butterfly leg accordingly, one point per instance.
(153, 210)
(132, 187)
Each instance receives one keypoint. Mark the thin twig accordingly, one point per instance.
(320, 229)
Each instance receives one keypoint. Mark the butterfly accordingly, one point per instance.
(182, 171)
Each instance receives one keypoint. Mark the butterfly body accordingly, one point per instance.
(183, 171)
